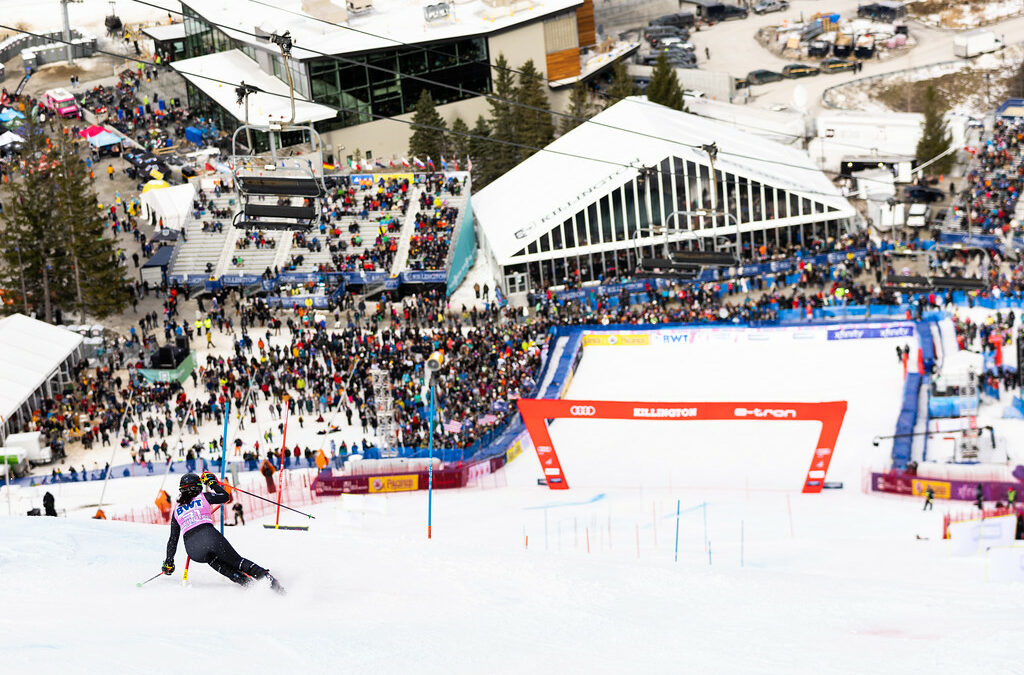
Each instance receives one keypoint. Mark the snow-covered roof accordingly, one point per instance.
(387, 25)
(30, 351)
(232, 66)
(167, 31)
(549, 187)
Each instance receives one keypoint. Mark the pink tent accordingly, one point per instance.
(91, 131)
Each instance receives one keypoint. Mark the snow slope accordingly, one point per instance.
(835, 582)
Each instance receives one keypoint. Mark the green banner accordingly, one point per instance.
(179, 374)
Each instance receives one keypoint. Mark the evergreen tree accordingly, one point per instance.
(55, 253)
(481, 151)
(27, 253)
(501, 156)
(622, 84)
(579, 108)
(664, 87)
(458, 141)
(426, 140)
(534, 126)
(935, 137)
(94, 279)
(1015, 87)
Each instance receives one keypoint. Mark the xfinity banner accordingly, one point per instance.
(858, 333)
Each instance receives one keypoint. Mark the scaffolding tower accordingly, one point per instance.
(387, 437)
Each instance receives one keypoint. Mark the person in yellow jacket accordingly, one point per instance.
(208, 324)
(199, 326)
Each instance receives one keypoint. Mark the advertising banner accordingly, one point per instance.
(401, 483)
(859, 333)
(536, 412)
(513, 452)
(616, 339)
(961, 490)
(942, 489)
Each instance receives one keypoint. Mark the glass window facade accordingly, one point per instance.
(600, 239)
(379, 83)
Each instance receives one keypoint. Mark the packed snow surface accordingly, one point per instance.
(836, 582)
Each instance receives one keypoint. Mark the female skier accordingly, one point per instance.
(204, 544)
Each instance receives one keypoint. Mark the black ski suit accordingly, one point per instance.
(205, 544)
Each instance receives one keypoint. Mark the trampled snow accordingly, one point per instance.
(836, 582)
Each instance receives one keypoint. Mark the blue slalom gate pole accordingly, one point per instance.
(677, 530)
(430, 465)
(224, 453)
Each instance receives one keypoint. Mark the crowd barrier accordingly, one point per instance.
(296, 491)
(905, 423)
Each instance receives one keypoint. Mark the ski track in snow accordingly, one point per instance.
(842, 587)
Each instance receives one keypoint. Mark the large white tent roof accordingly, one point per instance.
(598, 156)
(218, 74)
(171, 203)
(30, 351)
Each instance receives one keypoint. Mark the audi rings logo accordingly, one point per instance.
(583, 410)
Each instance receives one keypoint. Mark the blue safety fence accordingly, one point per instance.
(905, 423)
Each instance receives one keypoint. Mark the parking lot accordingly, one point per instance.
(732, 48)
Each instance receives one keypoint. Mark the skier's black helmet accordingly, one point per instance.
(189, 482)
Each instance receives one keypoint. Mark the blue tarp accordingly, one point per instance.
(104, 139)
(194, 135)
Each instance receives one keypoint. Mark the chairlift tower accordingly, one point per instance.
(385, 405)
(277, 191)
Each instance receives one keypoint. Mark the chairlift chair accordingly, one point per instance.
(277, 192)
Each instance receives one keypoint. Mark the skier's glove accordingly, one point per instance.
(208, 479)
(167, 567)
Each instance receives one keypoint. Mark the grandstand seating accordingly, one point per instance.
(221, 249)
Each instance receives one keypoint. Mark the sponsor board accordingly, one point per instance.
(943, 490)
(766, 413)
(401, 483)
(870, 332)
(616, 339)
(513, 452)
(664, 413)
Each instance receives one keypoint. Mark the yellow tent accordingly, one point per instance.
(155, 185)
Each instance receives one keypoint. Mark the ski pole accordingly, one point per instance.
(143, 583)
(244, 492)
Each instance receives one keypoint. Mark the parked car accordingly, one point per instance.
(763, 76)
(837, 65)
(652, 33)
(720, 12)
(679, 20)
(795, 70)
(922, 194)
(919, 215)
(766, 6)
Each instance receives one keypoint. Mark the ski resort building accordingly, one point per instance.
(358, 64)
(601, 196)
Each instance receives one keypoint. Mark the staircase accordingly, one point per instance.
(199, 248)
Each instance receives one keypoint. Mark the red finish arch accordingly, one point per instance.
(536, 412)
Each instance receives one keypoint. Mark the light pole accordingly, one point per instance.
(432, 366)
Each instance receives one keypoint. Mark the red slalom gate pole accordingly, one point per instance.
(280, 480)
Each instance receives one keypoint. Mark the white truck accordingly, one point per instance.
(975, 42)
(919, 215)
(32, 444)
